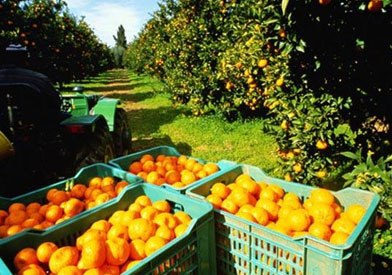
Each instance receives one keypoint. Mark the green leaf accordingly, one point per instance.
(351, 155)
(284, 5)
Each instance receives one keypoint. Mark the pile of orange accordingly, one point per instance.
(320, 215)
(61, 206)
(109, 247)
(176, 171)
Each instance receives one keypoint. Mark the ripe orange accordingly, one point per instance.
(3, 231)
(165, 219)
(78, 191)
(165, 233)
(277, 189)
(308, 204)
(101, 198)
(118, 231)
(95, 182)
(161, 170)
(141, 229)
(110, 269)
(107, 184)
(290, 197)
(197, 168)
(70, 270)
(117, 251)
(137, 250)
(182, 217)
(285, 211)
(143, 175)
(50, 193)
(247, 208)
(271, 207)
(172, 176)
(269, 194)
(102, 225)
(149, 166)
(180, 230)
(161, 206)
(3, 216)
(152, 177)
(59, 197)
(201, 174)
(298, 220)
(320, 230)
(54, 213)
(73, 207)
(240, 197)
(355, 212)
(29, 223)
(321, 212)
(143, 201)
(16, 206)
(189, 164)
(242, 177)
(178, 185)
(116, 217)
(182, 160)
(343, 225)
(46, 224)
(211, 168)
(25, 257)
(63, 257)
(129, 265)
(153, 244)
(149, 213)
(92, 255)
(145, 158)
(215, 200)
(88, 192)
(45, 251)
(188, 178)
(221, 190)
(16, 217)
(229, 206)
(120, 186)
(322, 196)
(95, 193)
(14, 229)
(136, 167)
(36, 216)
(31, 269)
(93, 271)
(338, 238)
(260, 215)
(129, 216)
(246, 216)
(251, 186)
(135, 207)
(160, 181)
(375, 5)
(33, 207)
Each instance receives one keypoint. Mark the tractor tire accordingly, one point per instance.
(95, 148)
(122, 137)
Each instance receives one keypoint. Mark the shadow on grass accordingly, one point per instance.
(127, 87)
(147, 143)
(131, 97)
(382, 265)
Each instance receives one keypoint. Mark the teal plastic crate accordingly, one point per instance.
(83, 176)
(248, 248)
(191, 253)
(124, 162)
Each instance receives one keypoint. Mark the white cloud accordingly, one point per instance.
(105, 18)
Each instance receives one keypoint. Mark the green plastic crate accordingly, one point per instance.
(248, 248)
(191, 253)
(124, 162)
(83, 176)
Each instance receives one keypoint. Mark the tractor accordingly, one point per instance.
(47, 136)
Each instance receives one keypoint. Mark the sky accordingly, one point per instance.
(104, 16)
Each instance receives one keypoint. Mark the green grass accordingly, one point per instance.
(155, 121)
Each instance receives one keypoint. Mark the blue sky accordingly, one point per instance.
(104, 16)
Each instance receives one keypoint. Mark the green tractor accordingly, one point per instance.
(46, 136)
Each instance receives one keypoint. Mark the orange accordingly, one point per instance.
(129, 265)
(165, 219)
(102, 198)
(220, 190)
(70, 270)
(63, 257)
(298, 220)
(117, 251)
(321, 212)
(143, 201)
(162, 206)
(33, 207)
(169, 166)
(54, 213)
(90, 204)
(95, 182)
(93, 271)
(182, 217)
(188, 178)
(95, 193)
(3, 231)
(189, 164)
(355, 212)
(320, 230)
(201, 174)
(59, 197)
(45, 251)
(247, 208)
(215, 200)
(180, 230)
(322, 196)
(14, 229)
(277, 189)
(262, 185)
(141, 229)
(107, 181)
(161, 171)
(29, 223)
(73, 207)
(118, 231)
(153, 244)
(137, 250)
(242, 177)
(260, 215)
(246, 216)
(160, 158)
(172, 177)
(178, 185)
(284, 212)
(338, 238)
(165, 233)
(116, 217)
(146, 157)
(271, 207)
(135, 207)
(308, 204)
(136, 167)
(25, 257)
(78, 191)
(293, 203)
(47, 224)
(182, 159)
(16, 206)
(149, 166)
(149, 213)
(152, 177)
(251, 186)
(269, 194)
(16, 217)
(88, 192)
(3, 216)
(232, 186)
(91, 234)
(229, 206)
(102, 225)
(31, 269)
(93, 254)
(282, 228)
(300, 234)
(36, 216)
(211, 168)
(110, 269)
(338, 209)
(128, 216)
(290, 197)
(343, 225)
(120, 186)
(197, 168)
(50, 193)
(240, 196)
(160, 181)
(142, 175)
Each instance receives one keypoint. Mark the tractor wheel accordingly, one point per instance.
(96, 147)
(122, 137)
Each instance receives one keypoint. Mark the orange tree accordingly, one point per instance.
(317, 72)
(59, 45)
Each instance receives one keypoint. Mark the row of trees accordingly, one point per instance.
(318, 71)
(60, 45)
